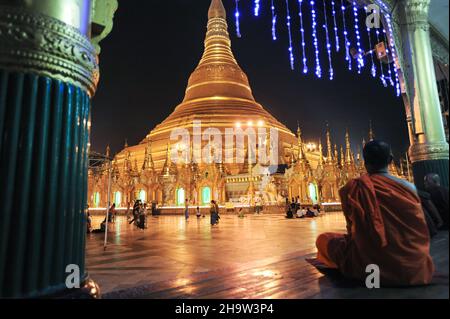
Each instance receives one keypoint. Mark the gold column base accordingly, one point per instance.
(420, 152)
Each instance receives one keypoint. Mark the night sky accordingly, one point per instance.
(155, 45)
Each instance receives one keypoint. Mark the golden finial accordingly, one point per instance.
(108, 151)
(217, 10)
(126, 143)
(329, 145)
(348, 148)
(320, 153)
(300, 142)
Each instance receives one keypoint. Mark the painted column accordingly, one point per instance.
(48, 75)
(429, 151)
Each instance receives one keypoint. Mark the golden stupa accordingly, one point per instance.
(218, 94)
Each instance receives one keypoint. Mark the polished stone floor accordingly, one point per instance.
(256, 257)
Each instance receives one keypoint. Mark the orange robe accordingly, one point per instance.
(385, 226)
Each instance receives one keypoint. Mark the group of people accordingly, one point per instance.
(139, 214)
(214, 212)
(294, 209)
(386, 225)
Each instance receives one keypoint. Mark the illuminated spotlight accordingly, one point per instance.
(250, 123)
(238, 124)
(260, 123)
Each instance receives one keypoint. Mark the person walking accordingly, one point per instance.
(214, 210)
(186, 210)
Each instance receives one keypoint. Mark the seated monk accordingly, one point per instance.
(439, 196)
(385, 226)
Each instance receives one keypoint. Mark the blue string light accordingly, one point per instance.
(274, 22)
(237, 15)
(257, 7)
(391, 81)
(382, 76)
(336, 34)
(373, 69)
(394, 55)
(325, 26)
(288, 23)
(347, 42)
(360, 59)
(316, 41)
(302, 31)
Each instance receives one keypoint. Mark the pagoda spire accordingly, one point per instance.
(348, 148)
(108, 151)
(336, 154)
(342, 157)
(329, 146)
(300, 142)
(168, 164)
(148, 159)
(218, 70)
(126, 144)
(321, 160)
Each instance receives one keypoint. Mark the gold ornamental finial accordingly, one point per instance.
(321, 160)
(108, 151)
(348, 148)
(217, 10)
(300, 142)
(329, 145)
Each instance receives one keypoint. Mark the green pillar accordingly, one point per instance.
(48, 75)
(429, 151)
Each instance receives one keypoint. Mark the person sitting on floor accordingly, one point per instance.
(432, 216)
(301, 213)
(311, 213)
(385, 227)
(439, 196)
(102, 228)
(290, 213)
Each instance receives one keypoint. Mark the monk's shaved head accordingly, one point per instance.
(377, 156)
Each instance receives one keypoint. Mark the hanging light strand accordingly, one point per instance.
(360, 58)
(237, 16)
(391, 80)
(288, 23)
(348, 58)
(257, 7)
(382, 76)
(373, 69)
(302, 32)
(327, 34)
(274, 21)
(336, 33)
(315, 39)
(394, 54)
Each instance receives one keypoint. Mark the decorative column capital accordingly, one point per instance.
(416, 14)
(33, 41)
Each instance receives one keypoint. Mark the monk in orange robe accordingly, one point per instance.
(385, 226)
